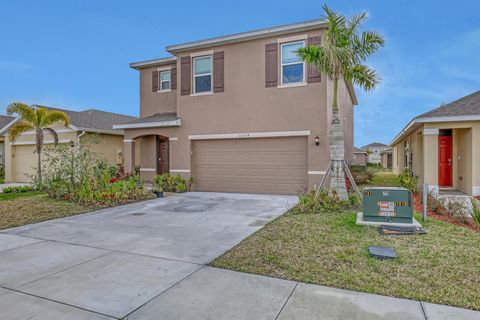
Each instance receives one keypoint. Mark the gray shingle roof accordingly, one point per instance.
(358, 150)
(4, 120)
(466, 106)
(157, 117)
(375, 145)
(95, 120)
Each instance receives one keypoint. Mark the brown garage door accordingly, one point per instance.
(259, 165)
(25, 162)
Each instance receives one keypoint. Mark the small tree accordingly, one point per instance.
(40, 120)
(342, 55)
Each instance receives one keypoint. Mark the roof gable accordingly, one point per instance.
(466, 106)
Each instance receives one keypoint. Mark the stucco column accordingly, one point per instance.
(476, 160)
(430, 158)
(129, 155)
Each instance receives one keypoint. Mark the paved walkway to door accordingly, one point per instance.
(147, 261)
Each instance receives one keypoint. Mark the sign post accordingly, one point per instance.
(425, 197)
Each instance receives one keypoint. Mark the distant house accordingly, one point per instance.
(374, 151)
(387, 158)
(442, 146)
(20, 159)
(359, 157)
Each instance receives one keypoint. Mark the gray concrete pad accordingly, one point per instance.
(219, 294)
(115, 284)
(191, 227)
(360, 221)
(19, 306)
(8, 241)
(26, 264)
(311, 302)
(441, 312)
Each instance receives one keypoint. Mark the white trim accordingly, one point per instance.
(169, 81)
(303, 82)
(168, 68)
(128, 140)
(173, 139)
(148, 169)
(246, 135)
(172, 123)
(209, 55)
(431, 132)
(209, 93)
(153, 62)
(31, 133)
(26, 143)
(250, 35)
(476, 191)
(317, 172)
(201, 53)
(449, 118)
(300, 37)
(292, 85)
(2, 130)
(179, 170)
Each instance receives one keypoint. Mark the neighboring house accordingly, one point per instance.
(5, 121)
(387, 158)
(374, 151)
(238, 113)
(21, 161)
(359, 157)
(443, 146)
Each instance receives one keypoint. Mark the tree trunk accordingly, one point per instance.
(337, 149)
(39, 144)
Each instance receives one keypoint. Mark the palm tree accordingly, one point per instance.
(38, 119)
(341, 56)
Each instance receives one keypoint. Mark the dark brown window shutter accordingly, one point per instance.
(173, 78)
(185, 76)
(271, 65)
(218, 72)
(154, 81)
(313, 74)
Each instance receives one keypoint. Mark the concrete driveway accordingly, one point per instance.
(112, 262)
(147, 261)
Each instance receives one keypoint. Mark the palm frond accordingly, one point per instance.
(363, 76)
(365, 45)
(18, 128)
(24, 111)
(356, 21)
(54, 116)
(53, 133)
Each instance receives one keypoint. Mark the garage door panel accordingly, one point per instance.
(25, 163)
(273, 165)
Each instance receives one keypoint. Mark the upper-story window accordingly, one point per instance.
(202, 74)
(293, 69)
(165, 81)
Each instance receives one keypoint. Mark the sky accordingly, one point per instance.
(75, 54)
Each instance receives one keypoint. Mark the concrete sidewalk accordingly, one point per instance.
(148, 261)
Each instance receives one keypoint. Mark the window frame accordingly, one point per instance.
(194, 76)
(292, 84)
(160, 81)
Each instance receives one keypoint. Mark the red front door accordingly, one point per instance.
(445, 161)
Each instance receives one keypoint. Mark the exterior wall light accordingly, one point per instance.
(317, 141)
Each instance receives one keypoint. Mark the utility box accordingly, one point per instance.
(390, 205)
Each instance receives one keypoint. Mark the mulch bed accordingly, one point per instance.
(442, 215)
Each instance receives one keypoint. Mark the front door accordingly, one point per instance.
(163, 155)
(445, 161)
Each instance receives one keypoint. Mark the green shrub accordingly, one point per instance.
(19, 189)
(324, 202)
(2, 174)
(169, 183)
(408, 180)
(475, 211)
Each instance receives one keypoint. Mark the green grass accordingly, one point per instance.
(32, 207)
(382, 179)
(330, 249)
(11, 196)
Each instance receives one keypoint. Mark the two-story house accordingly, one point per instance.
(374, 151)
(238, 113)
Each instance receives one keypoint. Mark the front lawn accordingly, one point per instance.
(329, 249)
(18, 209)
(382, 179)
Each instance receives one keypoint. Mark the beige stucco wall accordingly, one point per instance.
(465, 154)
(108, 148)
(155, 102)
(245, 106)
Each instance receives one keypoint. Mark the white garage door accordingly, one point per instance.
(25, 162)
(259, 165)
